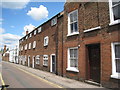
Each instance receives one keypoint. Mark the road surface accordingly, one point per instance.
(16, 78)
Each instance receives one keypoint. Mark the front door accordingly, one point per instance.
(53, 64)
(94, 62)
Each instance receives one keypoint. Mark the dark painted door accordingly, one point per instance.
(53, 64)
(94, 62)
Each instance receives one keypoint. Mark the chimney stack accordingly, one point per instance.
(26, 32)
(4, 49)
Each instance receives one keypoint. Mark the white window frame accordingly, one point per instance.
(34, 44)
(54, 21)
(37, 59)
(114, 73)
(69, 28)
(29, 45)
(112, 21)
(26, 47)
(26, 37)
(30, 35)
(35, 32)
(39, 29)
(46, 40)
(21, 48)
(69, 68)
(45, 59)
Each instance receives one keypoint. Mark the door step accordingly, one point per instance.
(92, 83)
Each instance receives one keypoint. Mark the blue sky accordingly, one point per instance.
(16, 16)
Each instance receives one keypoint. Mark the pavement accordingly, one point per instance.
(61, 82)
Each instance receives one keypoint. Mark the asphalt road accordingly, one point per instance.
(16, 78)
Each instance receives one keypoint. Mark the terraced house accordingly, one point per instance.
(84, 43)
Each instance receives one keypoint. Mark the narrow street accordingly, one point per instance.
(17, 78)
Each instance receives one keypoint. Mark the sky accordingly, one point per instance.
(17, 17)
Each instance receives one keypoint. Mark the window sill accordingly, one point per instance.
(75, 33)
(92, 29)
(72, 69)
(45, 65)
(114, 22)
(115, 76)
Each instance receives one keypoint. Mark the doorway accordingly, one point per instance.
(33, 62)
(28, 61)
(93, 62)
(53, 63)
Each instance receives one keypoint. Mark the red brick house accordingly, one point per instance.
(91, 45)
(83, 44)
(39, 48)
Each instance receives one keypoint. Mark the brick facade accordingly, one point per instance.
(90, 15)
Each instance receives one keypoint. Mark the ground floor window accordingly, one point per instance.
(45, 60)
(116, 60)
(37, 59)
(73, 59)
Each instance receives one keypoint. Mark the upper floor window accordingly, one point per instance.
(29, 45)
(54, 21)
(26, 47)
(21, 48)
(39, 29)
(73, 23)
(34, 44)
(30, 34)
(73, 59)
(46, 40)
(35, 32)
(114, 12)
(45, 60)
(116, 60)
(26, 37)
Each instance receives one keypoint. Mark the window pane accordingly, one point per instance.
(71, 26)
(117, 51)
(75, 53)
(71, 17)
(71, 53)
(116, 12)
(75, 16)
(118, 65)
(75, 27)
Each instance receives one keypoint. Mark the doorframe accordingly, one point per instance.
(29, 61)
(51, 62)
(87, 61)
(33, 62)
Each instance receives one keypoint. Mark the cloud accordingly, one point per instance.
(1, 31)
(28, 28)
(8, 39)
(38, 13)
(14, 4)
(12, 26)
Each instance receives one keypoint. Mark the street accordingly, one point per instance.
(17, 78)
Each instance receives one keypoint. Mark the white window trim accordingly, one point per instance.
(46, 44)
(54, 19)
(44, 59)
(68, 64)
(30, 35)
(29, 45)
(26, 47)
(92, 29)
(39, 29)
(114, 73)
(112, 21)
(74, 33)
(34, 44)
(35, 32)
(37, 57)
